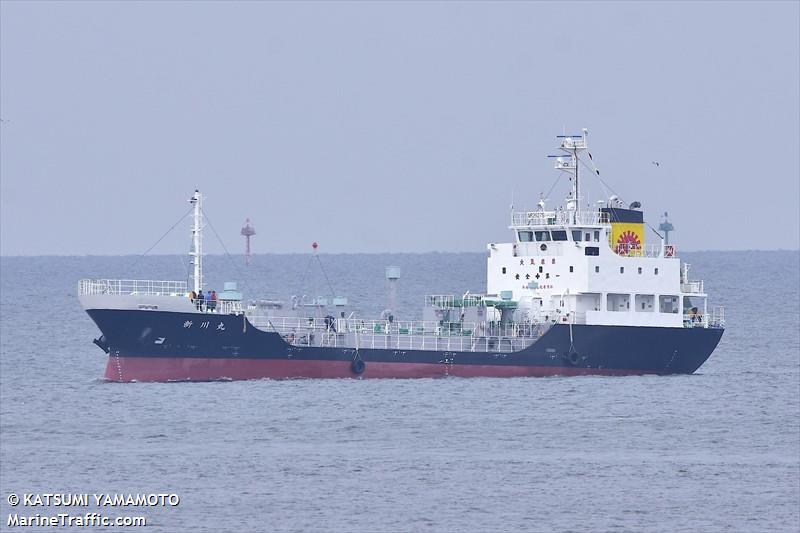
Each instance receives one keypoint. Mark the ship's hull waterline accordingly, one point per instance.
(170, 346)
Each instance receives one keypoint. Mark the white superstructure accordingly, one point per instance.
(591, 265)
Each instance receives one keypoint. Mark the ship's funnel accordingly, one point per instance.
(627, 230)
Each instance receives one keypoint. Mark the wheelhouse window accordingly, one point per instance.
(668, 304)
(576, 235)
(525, 236)
(618, 302)
(645, 303)
(559, 234)
(542, 236)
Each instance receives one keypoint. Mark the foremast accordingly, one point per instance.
(196, 252)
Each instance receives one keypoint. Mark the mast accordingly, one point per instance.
(572, 144)
(577, 182)
(197, 240)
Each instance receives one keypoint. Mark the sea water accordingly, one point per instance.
(715, 451)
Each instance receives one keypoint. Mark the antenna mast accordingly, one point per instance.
(197, 240)
(572, 144)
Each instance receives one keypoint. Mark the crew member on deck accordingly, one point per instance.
(200, 300)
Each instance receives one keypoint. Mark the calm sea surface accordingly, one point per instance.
(715, 451)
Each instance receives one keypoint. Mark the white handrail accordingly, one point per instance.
(146, 287)
(395, 328)
(404, 335)
(692, 286)
(714, 318)
(633, 250)
(524, 219)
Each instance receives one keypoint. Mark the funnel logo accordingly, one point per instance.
(627, 242)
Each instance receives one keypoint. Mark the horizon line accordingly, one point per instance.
(9, 256)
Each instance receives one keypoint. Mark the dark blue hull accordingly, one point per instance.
(164, 346)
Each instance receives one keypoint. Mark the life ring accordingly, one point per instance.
(358, 366)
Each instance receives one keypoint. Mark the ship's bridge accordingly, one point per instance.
(622, 228)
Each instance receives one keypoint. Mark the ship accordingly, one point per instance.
(577, 291)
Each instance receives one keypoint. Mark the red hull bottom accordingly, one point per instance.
(124, 369)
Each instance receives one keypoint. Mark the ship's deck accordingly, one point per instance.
(399, 335)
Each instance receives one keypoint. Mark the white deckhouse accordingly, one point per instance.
(591, 266)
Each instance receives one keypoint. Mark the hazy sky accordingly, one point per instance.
(376, 127)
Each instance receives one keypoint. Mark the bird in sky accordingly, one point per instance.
(656, 163)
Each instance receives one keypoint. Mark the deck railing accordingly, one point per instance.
(646, 250)
(717, 317)
(399, 335)
(449, 300)
(692, 286)
(384, 327)
(145, 287)
(229, 307)
(714, 318)
(522, 219)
